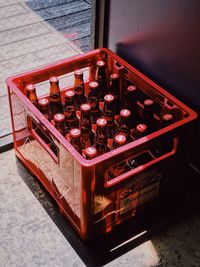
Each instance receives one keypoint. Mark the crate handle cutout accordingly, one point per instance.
(45, 141)
(135, 171)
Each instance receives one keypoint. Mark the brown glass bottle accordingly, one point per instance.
(71, 120)
(79, 89)
(90, 152)
(75, 139)
(124, 123)
(140, 131)
(148, 114)
(87, 135)
(117, 170)
(93, 100)
(114, 89)
(31, 94)
(101, 78)
(101, 136)
(131, 103)
(59, 123)
(167, 119)
(108, 114)
(54, 98)
(43, 105)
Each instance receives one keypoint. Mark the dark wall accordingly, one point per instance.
(162, 39)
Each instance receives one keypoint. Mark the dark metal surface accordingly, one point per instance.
(162, 39)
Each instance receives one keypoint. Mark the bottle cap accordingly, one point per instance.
(131, 88)
(30, 87)
(148, 102)
(120, 139)
(85, 107)
(109, 98)
(100, 63)
(167, 117)
(69, 93)
(78, 73)
(43, 102)
(90, 152)
(93, 85)
(54, 80)
(125, 113)
(59, 117)
(75, 133)
(101, 122)
(114, 76)
(141, 128)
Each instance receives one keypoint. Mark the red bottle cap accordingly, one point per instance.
(114, 76)
(101, 122)
(141, 128)
(125, 113)
(69, 93)
(167, 117)
(78, 73)
(148, 102)
(53, 80)
(30, 87)
(75, 133)
(90, 152)
(59, 117)
(120, 139)
(109, 98)
(131, 88)
(93, 85)
(85, 107)
(43, 102)
(100, 63)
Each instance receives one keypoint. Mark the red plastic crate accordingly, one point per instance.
(91, 201)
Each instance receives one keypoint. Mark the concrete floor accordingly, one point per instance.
(34, 233)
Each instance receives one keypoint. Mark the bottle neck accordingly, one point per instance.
(31, 95)
(86, 120)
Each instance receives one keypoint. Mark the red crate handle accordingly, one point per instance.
(142, 167)
(39, 139)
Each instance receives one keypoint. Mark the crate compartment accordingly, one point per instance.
(93, 200)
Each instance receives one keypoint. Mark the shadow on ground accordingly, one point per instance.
(69, 17)
(156, 225)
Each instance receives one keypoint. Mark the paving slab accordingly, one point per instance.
(28, 235)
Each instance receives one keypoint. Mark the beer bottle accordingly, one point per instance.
(101, 136)
(75, 139)
(148, 114)
(166, 144)
(71, 120)
(43, 105)
(79, 89)
(101, 78)
(122, 167)
(69, 98)
(124, 123)
(54, 98)
(93, 100)
(140, 131)
(119, 140)
(131, 103)
(87, 135)
(90, 152)
(59, 122)
(31, 94)
(108, 114)
(167, 119)
(115, 91)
